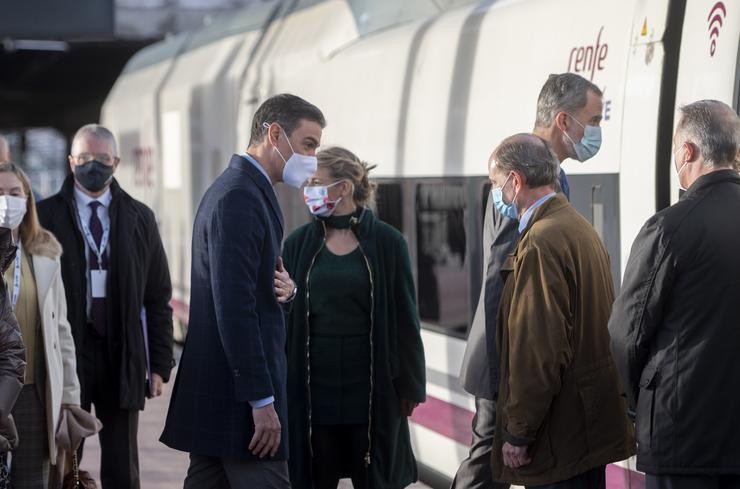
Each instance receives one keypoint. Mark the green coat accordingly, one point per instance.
(397, 357)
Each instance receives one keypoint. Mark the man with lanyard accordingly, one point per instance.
(569, 111)
(122, 325)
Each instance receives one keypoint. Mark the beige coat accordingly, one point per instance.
(560, 392)
(62, 386)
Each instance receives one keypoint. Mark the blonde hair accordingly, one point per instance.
(345, 165)
(37, 240)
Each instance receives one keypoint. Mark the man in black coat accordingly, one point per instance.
(117, 286)
(229, 405)
(676, 324)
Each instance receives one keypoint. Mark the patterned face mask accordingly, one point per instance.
(318, 201)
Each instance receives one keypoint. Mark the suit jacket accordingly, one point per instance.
(235, 347)
(480, 368)
(138, 276)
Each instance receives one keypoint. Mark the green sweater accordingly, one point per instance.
(339, 344)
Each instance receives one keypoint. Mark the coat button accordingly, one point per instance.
(236, 372)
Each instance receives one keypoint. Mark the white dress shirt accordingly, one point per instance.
(84, 212)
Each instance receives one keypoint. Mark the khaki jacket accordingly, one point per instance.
(560, 393)
(62, 386)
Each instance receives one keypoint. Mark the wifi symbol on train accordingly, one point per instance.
(716, 18)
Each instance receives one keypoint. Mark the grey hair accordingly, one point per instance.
(530, 155)
(714, 128)
(566, 92)
(97, 131)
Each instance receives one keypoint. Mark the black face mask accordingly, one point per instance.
(93, 175)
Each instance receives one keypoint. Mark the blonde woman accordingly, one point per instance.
(36, 292)
(355, 356)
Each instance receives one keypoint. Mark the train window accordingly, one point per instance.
(389, 204)
(443, 283)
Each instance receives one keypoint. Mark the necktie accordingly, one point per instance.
(98, 306)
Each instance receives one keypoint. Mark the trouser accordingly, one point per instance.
(119, 453)
(339, 452)
(592, 479)
(30, 465)
(728, 481)
(475, 471)
(227, 473)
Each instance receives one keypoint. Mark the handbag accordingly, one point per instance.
(4, 472)
(74, 425)
(77, 479)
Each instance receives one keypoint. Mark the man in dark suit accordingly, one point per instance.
(229, 407)
(569, 109)
(114, 268)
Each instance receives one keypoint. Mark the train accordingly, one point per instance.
(426, 89)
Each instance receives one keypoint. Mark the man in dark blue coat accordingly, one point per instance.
(228, 407)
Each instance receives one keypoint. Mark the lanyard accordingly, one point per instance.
(91, 241)
(17, 275)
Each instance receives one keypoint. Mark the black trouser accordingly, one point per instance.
(729, 481)
(228, 473)
(339, 452)
(592, 479)
(475, 471)
(119, 459)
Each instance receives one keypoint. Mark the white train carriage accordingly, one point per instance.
(426, 90)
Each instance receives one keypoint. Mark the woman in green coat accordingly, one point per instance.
(355, 356)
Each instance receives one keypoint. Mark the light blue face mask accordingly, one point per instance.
(506, 210)
(589, 144)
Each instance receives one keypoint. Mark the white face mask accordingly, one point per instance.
(298, 167)
(12, 211)
(680, 170)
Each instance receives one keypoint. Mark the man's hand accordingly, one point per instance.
(284, 285)
(407, 407)
(157, 383)
(515, 457)
(266, 439)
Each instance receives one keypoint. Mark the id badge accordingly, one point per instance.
(98, 280)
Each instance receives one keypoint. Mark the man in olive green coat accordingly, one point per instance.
(563, 415)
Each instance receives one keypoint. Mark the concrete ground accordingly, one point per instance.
(161, 467)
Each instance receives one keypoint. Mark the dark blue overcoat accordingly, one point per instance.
(235, 347)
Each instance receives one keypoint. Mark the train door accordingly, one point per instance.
(709, 66)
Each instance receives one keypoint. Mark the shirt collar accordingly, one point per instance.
(83, 200)
(256, 164)
(528, 213)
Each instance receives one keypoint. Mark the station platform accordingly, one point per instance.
(160, 466)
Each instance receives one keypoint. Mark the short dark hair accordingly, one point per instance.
(530, 155)
(564, 92)
(288, 111)
(714, 128)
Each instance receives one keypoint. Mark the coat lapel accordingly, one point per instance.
(240, 163)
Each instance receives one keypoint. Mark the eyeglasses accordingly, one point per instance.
(104, 158)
